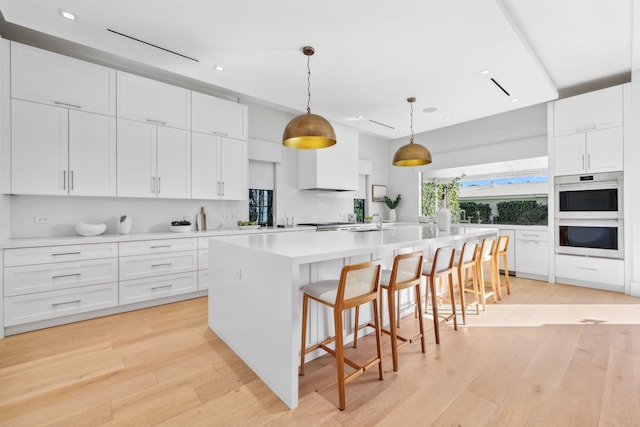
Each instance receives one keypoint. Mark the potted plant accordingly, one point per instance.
(392, 205)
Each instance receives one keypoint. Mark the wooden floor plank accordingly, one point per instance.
(522, 362)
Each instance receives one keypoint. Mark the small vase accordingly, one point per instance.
(124, 225)
(392, 215)
(443, 216)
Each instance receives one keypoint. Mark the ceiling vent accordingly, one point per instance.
(382, 124)
(152, 45)
(501, 88)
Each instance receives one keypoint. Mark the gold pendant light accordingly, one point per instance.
(308, 131)
(412, 154)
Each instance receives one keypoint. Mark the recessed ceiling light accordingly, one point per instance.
(360, 117)
(515, 100)
(218, 67)
(485, 71)
(430, 110)
(67, 15)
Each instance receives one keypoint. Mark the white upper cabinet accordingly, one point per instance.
(46, 77)
(591, 111)
(219, 168)
(154, 102)
(68, 152)
(153, 161)
(589, 152)
(218, 117)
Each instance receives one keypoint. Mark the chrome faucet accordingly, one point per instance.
(379, 222)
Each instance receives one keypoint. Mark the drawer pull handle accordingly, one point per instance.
(66, 302)
(66, 275)
(161, 287)
(220, 133)
(166, 264)
(159, 122)
(160, 246)
(66, 104)
(66, 253)
(587, 268)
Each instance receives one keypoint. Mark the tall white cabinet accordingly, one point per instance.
(219, 168)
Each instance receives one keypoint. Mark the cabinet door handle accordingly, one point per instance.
(65, 275)
(71, 184)
(66, 302)
(64, 180)
(588, 161)
(162, 287)
(218, 188)
(158, 185)
(68, 105)
(530, 235)
(159, 122)
(222, 188)
(583, 161)
(160, 246)
(153, 184)
(166, 264)
(219, 133)
(66, 253)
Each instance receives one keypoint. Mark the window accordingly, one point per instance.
(358, 209)
(261, 206)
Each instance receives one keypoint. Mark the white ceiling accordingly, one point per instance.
(370, 54)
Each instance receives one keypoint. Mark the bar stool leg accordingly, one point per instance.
(421, 323)
(453, 301)
(356, 328)
(434, 309)
(461, 290)
(337, 319)
(506, 274)
(392, 328)
(480, 272)
(305, 305)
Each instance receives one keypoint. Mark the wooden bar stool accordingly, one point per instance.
(406, 273)
(358, 284)
(440, 268)
(501, 252)
(487, 255)
(465, 264)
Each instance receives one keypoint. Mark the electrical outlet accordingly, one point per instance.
(236, 216)
(41, 219)
(227, 216)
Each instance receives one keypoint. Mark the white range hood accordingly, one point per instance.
(334, 168)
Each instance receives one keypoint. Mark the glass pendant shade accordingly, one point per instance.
(308, 132)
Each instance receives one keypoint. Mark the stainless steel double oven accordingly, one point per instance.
(589, 215)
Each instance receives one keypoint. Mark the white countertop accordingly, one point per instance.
(325, 245)
(115, 238)
(511, 226)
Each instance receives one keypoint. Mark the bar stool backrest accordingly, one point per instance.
(503, 243)
(487, 248)
(407, 269)
(443, 260)
(469, 251)
(358, 284)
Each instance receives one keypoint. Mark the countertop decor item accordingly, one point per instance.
(86, 230)
(443, 216)
(308, 131)
(412, 154)
(180, 226)
(202, 220)
(124, 225)
(392, 205)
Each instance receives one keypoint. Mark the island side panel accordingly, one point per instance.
(253, 310)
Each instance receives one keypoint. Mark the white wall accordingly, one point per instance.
(632, 183)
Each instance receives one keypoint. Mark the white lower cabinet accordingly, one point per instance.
(532, 254)
(600, 273)
(27, 308)
(203, 269)
(151, 288)
(135, 267)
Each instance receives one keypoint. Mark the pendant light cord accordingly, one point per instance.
(308, 84)
(411, 122)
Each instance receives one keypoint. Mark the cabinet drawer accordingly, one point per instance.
(542, 236)
(52, 254)
(135, 267)
(158, 246)
(203, 242)
(203, 280)
(50, 78)
(49, 277)
(159, 287)
(48, 305)
(594, 270)
(203, 259)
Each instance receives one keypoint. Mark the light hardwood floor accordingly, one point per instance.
(547, 355)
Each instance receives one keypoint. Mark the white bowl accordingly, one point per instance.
(86, 230)
(180, 228)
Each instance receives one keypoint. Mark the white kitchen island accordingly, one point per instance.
(255, 281)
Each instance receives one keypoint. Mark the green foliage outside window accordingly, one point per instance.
(522, 212)
(432, 195)
(473, 209)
